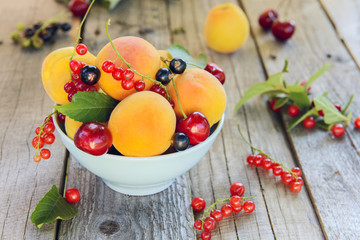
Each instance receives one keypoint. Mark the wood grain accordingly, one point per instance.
(329, 164)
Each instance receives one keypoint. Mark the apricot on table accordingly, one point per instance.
(142, 125)
(142, 56)
(56, 72)
(198, 91)
(226, 28)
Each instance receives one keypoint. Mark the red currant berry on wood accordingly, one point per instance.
(293, 111)
(108, 66)
(75, 66)
(37, 158)
(45, 153)
(237, 189)
(72, 195)
(337, 106)
(216, 71)
(139, 85)
(49, 138)
(198, 224)
(37, 131)
(209, 224)
(93, 138)
(78, 7)
(267, 18)
(236, 202)
(35, 142)
(267, 164)
(226, 210)
(258, 159)
(198, 204)
(250, 159)
(309, 123)
(300, 180)
(282, 31)
(338, 130)
(205, 235)
(272, 106)
(49, 127)
(357, 123)
(287, 178)
(81, 49)
(216, 214)
(295, 187)
(195, 126)
(297, 171)
(277, 169)
(249, 206)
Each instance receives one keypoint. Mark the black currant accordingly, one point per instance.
(37, 26)
(177, 65)
(65, 27)
(180, 141)
(163, 75)
(29, 32)
(90, 75)
(46, 35)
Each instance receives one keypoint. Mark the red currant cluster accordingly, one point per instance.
(44, 135)
(83, 76)
(282, 30)
(211, 215)
(288, 176)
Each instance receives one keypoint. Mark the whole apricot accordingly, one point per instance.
(142, 56)
(142, 125)
(199, 91)
(226, 28)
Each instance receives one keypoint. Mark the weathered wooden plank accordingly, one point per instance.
(277, 214)
(103, 213)
(24, 105)
(330, 165)
(345, 15)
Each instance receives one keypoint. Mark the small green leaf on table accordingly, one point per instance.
(331, 114)
(89, 107)
(299, 96)
(316, 75)
(176, 50)
(51, 207)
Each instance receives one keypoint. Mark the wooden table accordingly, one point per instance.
(327, 207)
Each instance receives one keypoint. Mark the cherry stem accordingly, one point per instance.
(128, 64)
(189, 63)
(266, 155)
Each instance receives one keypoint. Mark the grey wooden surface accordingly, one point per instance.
(327, 207)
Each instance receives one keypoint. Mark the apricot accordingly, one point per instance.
(198, 91)
(71, 126)
(56, 72)
(142, 125)
(142, 56)
(226, 28)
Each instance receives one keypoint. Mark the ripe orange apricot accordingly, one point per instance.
(71, 126)
(142, 56)
(56, 72)
(142, 125)
(199, 91)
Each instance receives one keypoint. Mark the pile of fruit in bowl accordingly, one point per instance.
(133, 115)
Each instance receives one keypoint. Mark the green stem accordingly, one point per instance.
(177, 96)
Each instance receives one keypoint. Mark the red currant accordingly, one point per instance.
(277, 169)
(37, 131)
(226, 210)
(61, 118)
(198, 224)
(49, 127)
(249, 206)
(287, 178)
(267, 164)
(75, 76)
(195, 126)
(209, 224)
(250, 159)
(216, 214)
(300, 180)
(48, 119)
(35, 142)
(198, 204)
(309, 123)
(37, 158)
(258, 159)
(303, 83)
(337, 106)
(338, 130)
(237, 189)
(69, 87)
(172, 103)
(236, 202)
(267, 18)
(293, 111)
(205, 235)
(127, 74)
(139, 85)
(127, 84)
(357, 122)
(72, 195)
(49, 138)
(75, 66)
(108, 66)
(70, 96)
(45, 153)
(272, 106)
(297, 171)
(283, 30)
(81, 49)
(295, 187)
(117, 73)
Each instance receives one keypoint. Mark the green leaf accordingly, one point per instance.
(51, 207)
(331, 114)
(89, 107)
(323, 125)
(348, 104)
(293, 123)
(200, 61)
(176, 50)
(316, 75)
(254, 90)
(285, 68)
(299, 96)
(280, 102)
(276, 80)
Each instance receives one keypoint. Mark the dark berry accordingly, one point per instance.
(267, 18)
(90, 75)
(177, 65)
(65, 27)
(283, 30)
(45, 35)
(180, 141)
(37, 26)
(163, 75)
(29, 32)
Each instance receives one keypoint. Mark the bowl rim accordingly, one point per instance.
(157, 157)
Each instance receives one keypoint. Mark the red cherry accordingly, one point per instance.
(216, 71)
(309, 123)
(293, 111)
(283, 30)
(295, 187)
(357, 122)
(72, 195)
(198, 204)
(195, 126)
(226, 210)
(338, 130)
(198, 224)
(78, 7)
(216, 214)
(81, 49)
(249, 206)
(237, 189)
(61, 118)
(272, 105)
(93, 138)
(205, 235)
(267, 18)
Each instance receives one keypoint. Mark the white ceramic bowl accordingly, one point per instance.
(140, 175)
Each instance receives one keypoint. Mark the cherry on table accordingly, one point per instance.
(267, 18)
(283, 30)
(195, 126)
(78, 7)
(216, 71)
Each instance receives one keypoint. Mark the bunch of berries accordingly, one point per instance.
(44, 135)
(211, 215)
